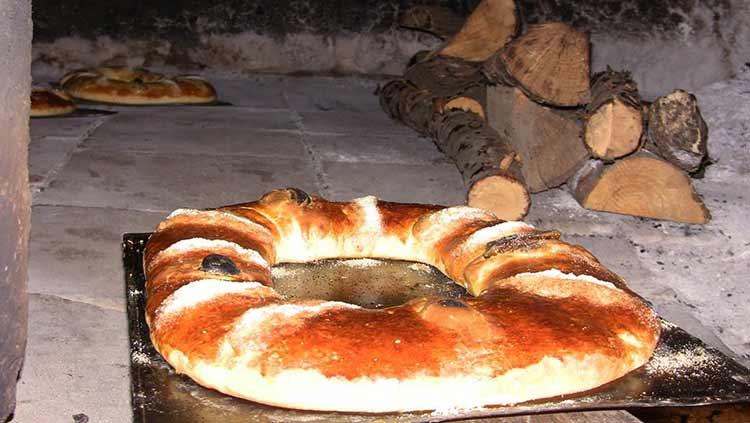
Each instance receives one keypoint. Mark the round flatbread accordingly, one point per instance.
(47, 102)
(136, 87)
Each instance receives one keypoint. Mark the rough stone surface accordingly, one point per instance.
(408, 183)
(159, 182)
(74, 252)
(15, 63)
(667, 44)
(122, 177)
(77, 361)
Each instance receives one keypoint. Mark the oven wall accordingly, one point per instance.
(666, 44)
(15, 62)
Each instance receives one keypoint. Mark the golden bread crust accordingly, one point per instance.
(120, 85)
(546, 317)
(50, 102)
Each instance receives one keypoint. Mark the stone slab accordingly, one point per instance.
(340, 94)
(228, 141)
(163, 183)
(353, 123)
(76, 362)
(374, 149)
(162, 119)
(74, 252)
(47, 154)
(436, 184)
(72, 127)
(262, 92)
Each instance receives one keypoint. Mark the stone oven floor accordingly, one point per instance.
(95, 178)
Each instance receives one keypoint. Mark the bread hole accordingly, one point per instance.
(369, 283)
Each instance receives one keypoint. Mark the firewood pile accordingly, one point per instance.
(519, 112)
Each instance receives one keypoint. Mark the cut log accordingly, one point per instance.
(677, 131)
(489, 166)
(489, 27)
(614, 127)
(641, 184)
(550, 62)
(436, 20)
(548, 141)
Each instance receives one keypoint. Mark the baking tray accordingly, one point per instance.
(682, 372)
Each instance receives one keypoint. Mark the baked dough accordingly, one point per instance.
(121, 85)
(544, 318)
(50, 102)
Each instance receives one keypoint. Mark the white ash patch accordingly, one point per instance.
(201, 291)
(554, 273)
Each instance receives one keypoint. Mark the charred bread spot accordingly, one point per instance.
(449, 302)
(519, 242)
(217, 263)
(300, 197)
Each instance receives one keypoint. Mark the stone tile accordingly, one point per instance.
(353, 123)
(374, 149)
(76, 362)
(163, 183)
(258, 92)
(163, 119)
(331, 94)
(72, 127)
(47, 154)
(74, 252)
(229, 141)
(436, 184)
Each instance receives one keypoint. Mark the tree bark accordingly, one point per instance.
(677, 131)
(615, 121)
(436, 20)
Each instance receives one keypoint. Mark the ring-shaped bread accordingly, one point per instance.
(545, 318)
(47, 102)
(120, 85)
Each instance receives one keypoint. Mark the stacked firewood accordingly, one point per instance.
(520, 113)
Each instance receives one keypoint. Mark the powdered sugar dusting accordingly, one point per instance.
(255, 318)
(442, 219)
(216, 214)
(369, 207)
(554, 273)
(201, 291)
(202, 243)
